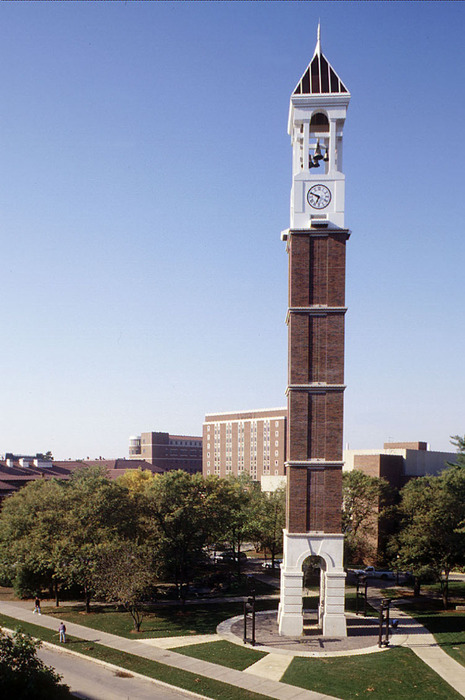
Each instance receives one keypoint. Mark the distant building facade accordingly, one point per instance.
(398, 462)
(252, 442)
(18, 470)
(168, 451)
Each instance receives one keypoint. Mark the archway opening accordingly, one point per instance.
(313, 593)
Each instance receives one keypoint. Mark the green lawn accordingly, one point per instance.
(396, 674)
(223, 653)
(448, 627)
(167, 621)
(168, 674)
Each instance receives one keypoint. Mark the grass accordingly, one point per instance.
(137, 664)
(396, 673)
(223, 653)
(167, 621)
(448, 626)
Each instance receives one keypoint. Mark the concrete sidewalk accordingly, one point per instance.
(239, 679)
(413, 635)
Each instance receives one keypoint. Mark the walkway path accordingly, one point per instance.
(247, 681)
(413, 635)
(262, 676)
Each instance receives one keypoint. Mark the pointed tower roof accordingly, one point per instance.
(320, 78)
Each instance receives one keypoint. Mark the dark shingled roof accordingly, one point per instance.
(320, 78)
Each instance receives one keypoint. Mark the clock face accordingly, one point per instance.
(319, 196)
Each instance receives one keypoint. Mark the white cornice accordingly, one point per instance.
(314, 464)
(316, 388)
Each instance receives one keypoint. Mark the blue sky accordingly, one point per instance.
(144, 182)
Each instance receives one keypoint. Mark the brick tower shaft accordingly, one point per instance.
(315, 379)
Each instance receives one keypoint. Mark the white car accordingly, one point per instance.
(268, 565)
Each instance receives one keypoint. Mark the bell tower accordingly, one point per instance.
(316, 243)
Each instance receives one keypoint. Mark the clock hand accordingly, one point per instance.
(316, 195)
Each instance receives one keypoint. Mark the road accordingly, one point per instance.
(94, 682)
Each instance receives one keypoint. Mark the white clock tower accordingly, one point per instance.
(316, 120)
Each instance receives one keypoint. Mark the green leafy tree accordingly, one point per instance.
(30, 543)
(51, 531)
(238, 502)
(96, 510)
(431, 539)
(363, 499)
(123, 573)
(459, 442)
(23, 675)
(180, 518)
(268, 521)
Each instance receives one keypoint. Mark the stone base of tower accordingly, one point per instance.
(330, 549)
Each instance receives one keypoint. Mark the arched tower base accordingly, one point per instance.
(331, 616)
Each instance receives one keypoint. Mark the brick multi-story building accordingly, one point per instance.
(168, 451)
(252, 442)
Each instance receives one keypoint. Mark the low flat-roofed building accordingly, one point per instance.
(17, 471)
(398, 462)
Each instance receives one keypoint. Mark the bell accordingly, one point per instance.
(326, 157)
(317, 155)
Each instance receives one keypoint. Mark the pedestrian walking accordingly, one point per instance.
(37, 606)
(62, 632)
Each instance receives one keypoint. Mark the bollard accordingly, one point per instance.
(249, 607)
(384, 623)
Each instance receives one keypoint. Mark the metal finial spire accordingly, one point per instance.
(318, 39)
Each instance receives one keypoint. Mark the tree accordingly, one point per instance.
(51, 531)
(238, 499)
(268, 521)
(431, 539)
(363, 498)
(136, 481)
(30, 545)
(181, 514)
(23, 674)
(96, 511)
(459, 442)
(123, 573)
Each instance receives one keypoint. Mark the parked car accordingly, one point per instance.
(230, 556)
(371, 572)
(268, 564)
